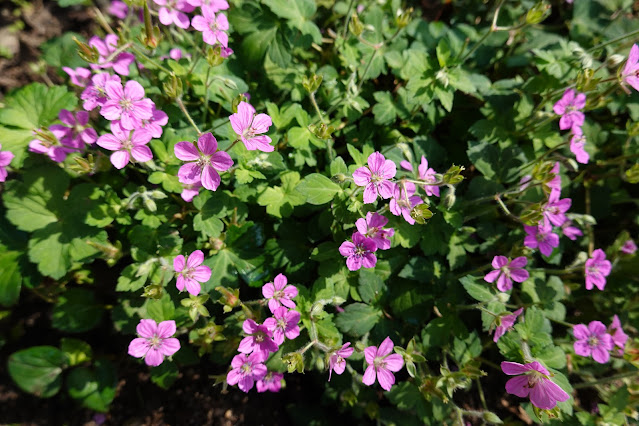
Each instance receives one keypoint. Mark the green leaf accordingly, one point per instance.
(94, 387)
(384, 110)
(36, 105)
(10, 278)
(551, 356)
(278, 51)
(358, 319)
(161, 309)
(298, 14)
(38, 370)
(77, 351)
(211, 227)
(318, 189)
(76, 311)
(477, 289)
(165, 374)
(371, 286)
(279, 201)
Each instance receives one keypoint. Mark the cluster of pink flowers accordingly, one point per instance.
(598, 341)
(569, 108)
(263, 339)
(375, 178)
(190, 272)
(155, 341)
(370, 237)
(212, 23)
(533, 380)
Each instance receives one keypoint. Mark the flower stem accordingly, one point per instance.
(606, 379)
(188, 116)
(368, 65)
(614, 40)
(348, 18)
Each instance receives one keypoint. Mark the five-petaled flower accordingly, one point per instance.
(337, 360)
(155, 341)
(535, 382)
(272, 382)
(191, 272)
(568, 107)
(541, 237)
(374, 177)
(259, 340)
(246, 370)
(507, 271)
(373, 227)
(593, 340)
(382, 364)
(204, 165)
(126, 144)
(283, 323)
(279, 293)
(359, 252)
(249, 127)
(211, 26)
(126, 104)
(597, 268)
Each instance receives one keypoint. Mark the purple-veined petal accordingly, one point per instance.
(138, 347)
(166, 329)
(394, 362)
(141, 153)
(386, 378)
(210, 178)
(369, 376)
(119, 159)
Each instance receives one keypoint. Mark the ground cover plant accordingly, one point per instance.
(413, 217)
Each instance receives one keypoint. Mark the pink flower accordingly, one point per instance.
(541, 237)
(619, 338)
(246, 370)
(554, 210)
(568, 107)
(403, 201)
(249, 126)
(283, 323)
(381, 364)
(79, 77)
(506, 323)
(5, 159)
(95, 94)
(337, 361)
(373, 227)
(359, 252)
(597, 269)
(215, 5)
(77, 132)
(52, 144)
(205, 164)
(212, 27)
(155, 341)
(375, 177)
(118, 9)
(577, 144)
(535, 382)
(190, 191)
(507, 271)
(428, 174)
(153, 125)
(629, 247)
(172, 12)
(593, 340)
(279, 293)
(128, 105)
(406, 165)
(272, 382)
(555, 183)
(572, 232)
(106, 48)
(630, 73)
(259, 340)
(191, 272)
(126, 144)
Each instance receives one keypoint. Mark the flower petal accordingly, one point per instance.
(185, 151)
(166, 329)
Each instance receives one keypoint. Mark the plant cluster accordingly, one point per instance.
(405, 175)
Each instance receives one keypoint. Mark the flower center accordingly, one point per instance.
(246, 368)
(371, 232)
(360, 250)
(203, 161)
(126, 104)
(127, 144)
(155, 341)
(259, 337)
(593, 341)
(379, 362)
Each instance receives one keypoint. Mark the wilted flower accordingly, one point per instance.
(155, 341)
(79, 76)
(577, 144)
(404, 200)
(535, 382)
(506, 323)
(619, 338)
(337, 361)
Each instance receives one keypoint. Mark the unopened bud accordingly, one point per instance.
(355, 26)
(173, 87)
(450, 198)
(214, 56)
(312, 83)
(87, 52)
(403, 18)
(453, 175)
(538, 13)
(151, 36)
(492, 418)
(632, 174)
(153, 291)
